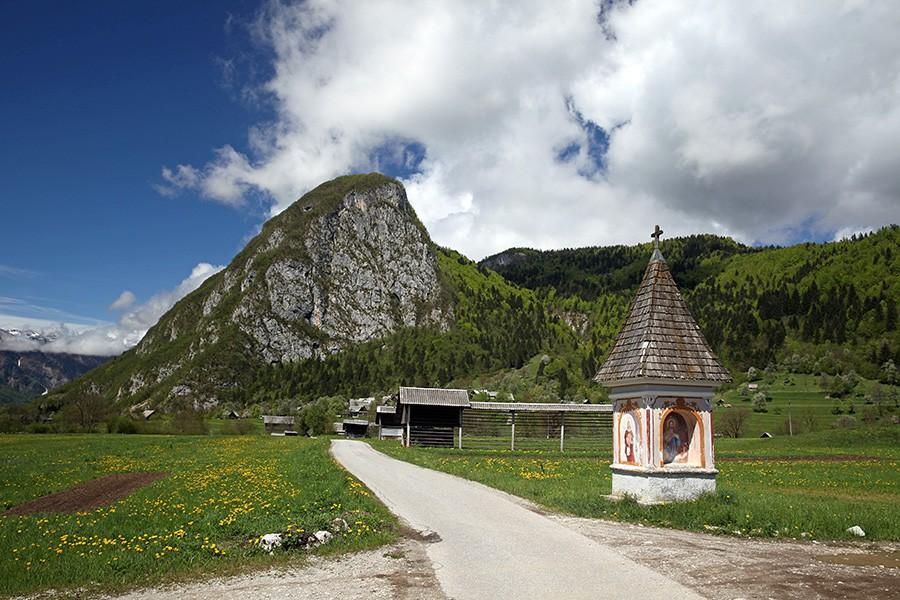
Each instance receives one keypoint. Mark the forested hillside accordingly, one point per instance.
(497, 326)
(810, 307)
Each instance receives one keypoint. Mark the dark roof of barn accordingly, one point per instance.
(660, 339)
(434, 396)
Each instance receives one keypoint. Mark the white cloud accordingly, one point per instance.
(747, 119)
(106, 340)
(125, 299)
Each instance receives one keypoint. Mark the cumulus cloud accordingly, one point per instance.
(107, 340)
(125, 299)
(550, 125)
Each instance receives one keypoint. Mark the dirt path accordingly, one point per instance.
(724, 568)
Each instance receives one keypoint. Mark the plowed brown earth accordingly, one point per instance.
(87, 496)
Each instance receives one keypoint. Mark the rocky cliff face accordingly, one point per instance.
(347, 263)
(35, 373)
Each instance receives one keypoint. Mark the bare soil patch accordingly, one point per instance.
(89, 495)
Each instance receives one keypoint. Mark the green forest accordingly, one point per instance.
(540, 325)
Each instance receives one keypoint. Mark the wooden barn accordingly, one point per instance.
(430, 416)
(277, 424)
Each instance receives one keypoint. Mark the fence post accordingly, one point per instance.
(512, 441)
(562, 432)
(460, 437)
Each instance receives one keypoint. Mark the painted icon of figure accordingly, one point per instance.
(629, 444)
(675, 446)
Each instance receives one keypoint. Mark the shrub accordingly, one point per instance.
(238, 427)
(189, 422)
(759, 402)
(121, 424)
(845, 422)
(733, 422)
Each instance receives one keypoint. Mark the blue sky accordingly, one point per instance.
(97, 97)
(143, 143)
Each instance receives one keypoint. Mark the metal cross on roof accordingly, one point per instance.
(657, 233)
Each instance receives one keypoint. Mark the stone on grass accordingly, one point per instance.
(857, 531)
(270, 541)
(339, 525)
(323, 536)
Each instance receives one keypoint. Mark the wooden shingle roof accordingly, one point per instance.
(660, 339)
(434, 396)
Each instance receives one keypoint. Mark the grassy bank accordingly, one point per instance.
(812, 486)
(220, 494)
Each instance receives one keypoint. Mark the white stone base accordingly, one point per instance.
(678, 484)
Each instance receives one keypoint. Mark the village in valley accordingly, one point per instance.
(421, 333)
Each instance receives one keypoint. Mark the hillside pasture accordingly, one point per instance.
(801, 399)
(205, 516)
(812, 486)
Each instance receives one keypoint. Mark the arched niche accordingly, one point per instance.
(681, 438)
(629, 449)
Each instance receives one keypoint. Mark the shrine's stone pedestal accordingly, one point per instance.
(659, 486)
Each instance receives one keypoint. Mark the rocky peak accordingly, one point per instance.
(347, 263)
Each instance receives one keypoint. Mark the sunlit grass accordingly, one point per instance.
(220, 495)
(768, 493)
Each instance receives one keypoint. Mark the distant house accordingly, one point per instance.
(430, 415)
(148, 413)
(356, 427)
(277, 425)
(356, 406)
(766, 435)
(752, 387)
(232, 414)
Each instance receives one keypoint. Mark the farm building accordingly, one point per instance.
(357, 406)
(277, 424)
(431, 415)
(355, 428)
(388, 420)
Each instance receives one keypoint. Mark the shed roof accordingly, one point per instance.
(357, 404)
(542, 407)
(386, 409)
(434, 396)
(278, 420)
(660, 339)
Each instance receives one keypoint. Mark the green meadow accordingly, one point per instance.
(801, 400)
(205, 517)
(812, 486)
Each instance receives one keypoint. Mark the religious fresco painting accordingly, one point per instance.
(676, 439)
(629, 439)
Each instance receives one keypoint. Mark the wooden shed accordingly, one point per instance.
(278, 424)
(388, 419)
(430, 416)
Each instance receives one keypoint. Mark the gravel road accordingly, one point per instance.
(491, 546)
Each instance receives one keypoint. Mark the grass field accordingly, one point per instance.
(220, 494)
(801, 397)
(812, 486)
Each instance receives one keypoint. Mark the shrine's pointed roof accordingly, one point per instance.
(660, 339)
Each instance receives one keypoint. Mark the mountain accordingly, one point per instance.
(813, 307)
(345, 293)
(24, 375)
(346, 270)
